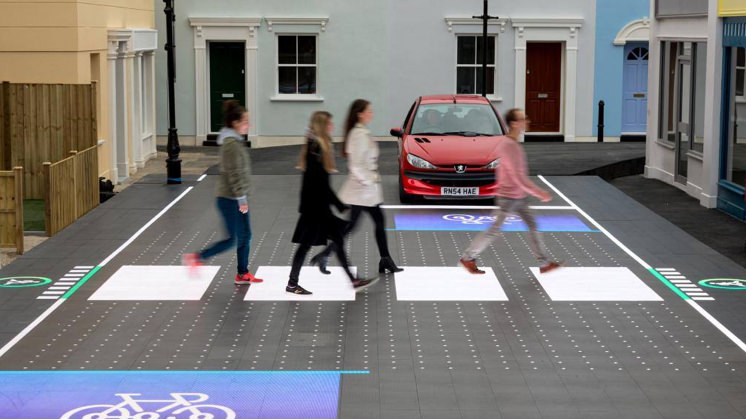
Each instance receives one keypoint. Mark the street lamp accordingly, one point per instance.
(485, 20)
(173, 162)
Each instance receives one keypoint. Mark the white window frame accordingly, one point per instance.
(493, 95)
(740, 98)
(296, 96)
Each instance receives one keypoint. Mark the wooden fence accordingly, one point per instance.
(11, 209)
(71, 187)
(41, 123)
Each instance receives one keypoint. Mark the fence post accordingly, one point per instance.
(76, 197)
(48, 198)
(601, 106)
(18, 172)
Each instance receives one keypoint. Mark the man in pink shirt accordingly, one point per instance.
(513, 189)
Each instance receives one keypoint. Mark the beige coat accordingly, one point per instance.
(363, 184)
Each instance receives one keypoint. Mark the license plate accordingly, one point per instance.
(459, 191)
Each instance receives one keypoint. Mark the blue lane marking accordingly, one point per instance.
(479, 221)
(177, 394)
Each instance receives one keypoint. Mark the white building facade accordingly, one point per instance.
(284, 59)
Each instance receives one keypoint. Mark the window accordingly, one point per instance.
(740, 72)
(456, 119)
(296, 64)
(469, 64)
(681, 111)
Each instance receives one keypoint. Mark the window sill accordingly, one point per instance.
(666, 144)
(296, 98)
(740, 99)
(696, 155)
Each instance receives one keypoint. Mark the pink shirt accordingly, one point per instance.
(512, 171)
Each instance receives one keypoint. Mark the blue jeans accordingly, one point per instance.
(239, 229)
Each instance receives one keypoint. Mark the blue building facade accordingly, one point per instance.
(621, 61)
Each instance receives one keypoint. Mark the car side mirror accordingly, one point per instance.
(397, 132)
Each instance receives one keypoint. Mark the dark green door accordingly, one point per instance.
(227, 78)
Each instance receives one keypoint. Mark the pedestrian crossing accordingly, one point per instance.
(64, 284)
(686, 286)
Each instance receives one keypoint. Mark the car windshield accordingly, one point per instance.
(456, 119)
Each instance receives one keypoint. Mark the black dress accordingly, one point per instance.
(317, 223)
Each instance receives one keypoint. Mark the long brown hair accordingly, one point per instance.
(353, 117)
(318, 131)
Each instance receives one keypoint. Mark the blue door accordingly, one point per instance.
(635, 90)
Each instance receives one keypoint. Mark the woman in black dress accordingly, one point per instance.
(317, 224)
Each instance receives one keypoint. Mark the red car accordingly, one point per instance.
(447, 148)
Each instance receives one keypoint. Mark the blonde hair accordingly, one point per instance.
(318, 131)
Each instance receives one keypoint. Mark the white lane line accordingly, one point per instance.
(8, 346)
(59, 288)
(703, 298)
(79, 271)
(464, 207)
(697, 294)
(145, 227)
(665, 269)
(674, 277)
(201, 178)
(666, 273)
(84, 267)
(53, 292)
(681, 281)
(47, 297)
(717, 324)
(30, 327)
(735, 339)
(78, 276)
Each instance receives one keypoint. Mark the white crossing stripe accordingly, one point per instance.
(671, 273)
(665, 269)
(67, 280)
(79, 271)
(47, 297)
(674, 277)
(686, 285)
(703, 294)
(59, 288)
(703, 298)
(681, 281)
(74, 276)
(54, 292)
(84, 267)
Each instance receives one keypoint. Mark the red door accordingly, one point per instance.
(543, 81)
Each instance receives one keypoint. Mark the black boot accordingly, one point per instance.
(387, 264)
(321, 260)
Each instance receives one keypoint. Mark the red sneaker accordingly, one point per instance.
(247, 278)
(193, 261)
(550, 266)
(471, 266)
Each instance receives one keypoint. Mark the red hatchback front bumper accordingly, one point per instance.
(430, 184)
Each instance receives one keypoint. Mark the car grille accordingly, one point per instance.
(453, 179)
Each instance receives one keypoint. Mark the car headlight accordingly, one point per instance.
(493, 164)
(419, 163)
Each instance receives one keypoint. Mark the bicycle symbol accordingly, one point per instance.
(130, 408)
(483, 219)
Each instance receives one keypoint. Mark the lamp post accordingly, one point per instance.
(173, 162)
(485, 20)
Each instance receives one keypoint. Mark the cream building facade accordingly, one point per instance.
(110, 42)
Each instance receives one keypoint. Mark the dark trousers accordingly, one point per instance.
(376, 213)
(239, 231)
(336, 246)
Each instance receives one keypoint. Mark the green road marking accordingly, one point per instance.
(81, 282)
(673, 287)
(23, 281)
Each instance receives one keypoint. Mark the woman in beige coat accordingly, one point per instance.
(362, 188)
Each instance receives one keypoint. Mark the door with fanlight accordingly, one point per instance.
(635, 89)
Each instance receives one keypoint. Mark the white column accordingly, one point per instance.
(571, 81)
(137, 111)
(713, 101)
(112, 62)
(121, 116)
(520, 68)
(152, 149)
(202, 115)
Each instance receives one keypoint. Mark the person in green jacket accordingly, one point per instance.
(233, 191)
